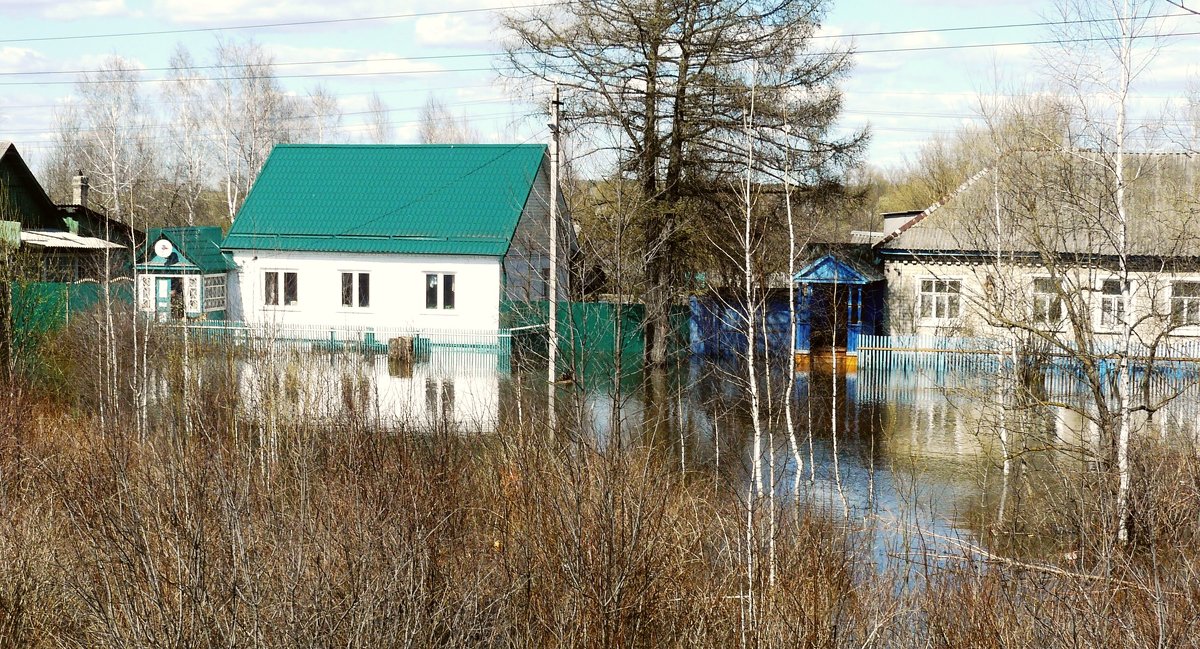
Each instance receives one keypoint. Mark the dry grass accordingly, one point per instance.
(345, 536)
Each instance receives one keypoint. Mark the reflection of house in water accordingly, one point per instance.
(454, 389)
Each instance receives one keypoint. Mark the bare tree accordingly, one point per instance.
(670, 77)
(438, 125)
(379, 129)
(250, 114)
(189, 161)
(326, 115)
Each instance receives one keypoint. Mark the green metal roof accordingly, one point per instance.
(195, 246)
(461, 199)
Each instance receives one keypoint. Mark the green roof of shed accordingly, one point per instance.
(198, 246)
(408, 199)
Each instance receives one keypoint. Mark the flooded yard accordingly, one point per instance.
(910, 449)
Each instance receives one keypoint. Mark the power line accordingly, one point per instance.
(386, 17)
(315, 75)
(155, 102)
(44, 144)
(272, 64)
(890, 50)
(293, 23)
(971, 28)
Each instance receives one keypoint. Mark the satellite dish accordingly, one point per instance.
(163, 248)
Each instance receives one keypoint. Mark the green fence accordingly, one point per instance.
(592, 327)
(40, 307)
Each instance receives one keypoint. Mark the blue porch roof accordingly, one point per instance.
(830, 270)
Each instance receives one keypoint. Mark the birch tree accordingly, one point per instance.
(326, 117)
(1098, 75)
(379, 129)
(189, 159)
(118, 158)
(250, 113)
(438, 125)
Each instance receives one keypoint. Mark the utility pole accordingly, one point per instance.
(552, 289)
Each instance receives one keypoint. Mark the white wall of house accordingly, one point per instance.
(1010, 291)
(397, 290)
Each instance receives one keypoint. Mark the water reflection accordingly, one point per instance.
(911, 448)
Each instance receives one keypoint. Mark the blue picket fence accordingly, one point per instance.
(1171, 365)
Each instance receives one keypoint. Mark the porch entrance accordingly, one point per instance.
(838, 300)
(828, 308)
(168, 298)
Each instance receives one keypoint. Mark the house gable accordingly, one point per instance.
(832, 270)
(22, 197)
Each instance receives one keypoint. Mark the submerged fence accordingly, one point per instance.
(1168, 367)
(364, 340)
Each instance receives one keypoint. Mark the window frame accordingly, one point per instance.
(1110, 302)
(939, 301)
(441, 289)
(1055, 298)
(280, 288)
(355, 295)
(214, 284)
(1191, 304)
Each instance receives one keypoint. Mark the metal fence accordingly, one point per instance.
(365, 340)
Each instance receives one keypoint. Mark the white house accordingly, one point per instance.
(394, 238)
(1036, 245)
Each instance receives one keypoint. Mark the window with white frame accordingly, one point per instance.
(439, 291)
(1185, 303)
(214, 292)
(940, 298)
(1047, 301)
(1112, 304)
(356, 290)
(281, 288)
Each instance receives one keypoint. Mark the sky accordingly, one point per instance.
(408, 50)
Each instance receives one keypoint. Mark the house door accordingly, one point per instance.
(829, 316)
(168, 298)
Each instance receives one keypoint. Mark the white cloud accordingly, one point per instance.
(249, 11)
(66, 9)
(476, 31)
(85, 9)
(20, 59)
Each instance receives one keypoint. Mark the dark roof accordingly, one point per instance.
(415, 199)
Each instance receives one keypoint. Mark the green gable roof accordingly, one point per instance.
(410, 199)
(196, 247)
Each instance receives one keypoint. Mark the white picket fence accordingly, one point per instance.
(367, 340)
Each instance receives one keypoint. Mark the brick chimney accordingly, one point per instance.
(80, 186)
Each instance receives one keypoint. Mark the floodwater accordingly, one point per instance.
(911, 450)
